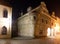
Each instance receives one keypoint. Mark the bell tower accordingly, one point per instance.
(5, 21)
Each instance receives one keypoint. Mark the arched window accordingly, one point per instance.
(4, 30)
(5, 13)
(34, 17)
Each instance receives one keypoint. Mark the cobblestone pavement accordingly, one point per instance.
(31, 41)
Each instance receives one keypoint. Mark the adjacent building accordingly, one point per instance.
(5, 21)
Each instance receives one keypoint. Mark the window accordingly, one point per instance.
(52, 23)
(41, 32)
(46, 22)
(34, 17)
(4, 30)
(5, 13)
(42, 20)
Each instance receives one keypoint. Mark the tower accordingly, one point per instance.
(5, 21)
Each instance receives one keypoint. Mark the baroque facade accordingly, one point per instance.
(38, 22)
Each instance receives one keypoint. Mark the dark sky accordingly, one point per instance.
(18, 5)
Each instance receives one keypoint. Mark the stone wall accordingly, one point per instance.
(26, 25)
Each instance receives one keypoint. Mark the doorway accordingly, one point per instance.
(4, 30)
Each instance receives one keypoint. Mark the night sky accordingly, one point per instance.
(22, 5)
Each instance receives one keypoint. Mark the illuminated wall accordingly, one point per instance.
(43, 21)
(5, 21)
(57, 27)
(26, 25)
(45, 25)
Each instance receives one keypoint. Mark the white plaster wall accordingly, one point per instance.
(26, 25)
(6, 21)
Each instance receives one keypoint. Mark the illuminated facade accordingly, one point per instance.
(5, 21)
(42, 21)
(35, 22)
(54, 30)
(57, 27)
(26, 24)
(38, 22)
(51, 29)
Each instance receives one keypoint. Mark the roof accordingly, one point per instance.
(5, 3)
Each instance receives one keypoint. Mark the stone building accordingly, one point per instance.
(38, 22)
(42, 21)
(5, 20)
(26, 24)
(57, 27)
(35, 22)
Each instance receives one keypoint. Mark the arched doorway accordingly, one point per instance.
(48, 32)
(51, 32)
(4, 30)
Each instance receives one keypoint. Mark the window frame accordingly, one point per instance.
(5, 13)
